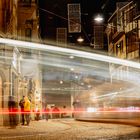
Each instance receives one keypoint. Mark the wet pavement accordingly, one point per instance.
(69, 129)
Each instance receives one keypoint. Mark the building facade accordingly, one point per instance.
(123, 36)
(28, 29)
(18, 20)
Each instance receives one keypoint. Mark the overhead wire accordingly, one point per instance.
(52, 13)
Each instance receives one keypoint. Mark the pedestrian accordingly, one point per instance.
(47, 110)
(21, 104)
(37, 113)
(27, 109)
(56, 112)
(12, 112)
(63, 114)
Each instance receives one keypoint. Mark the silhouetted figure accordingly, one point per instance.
(21, 104)
(63, 114)
(56, 112)
(47, 110)
(12, 112)
(37, 114)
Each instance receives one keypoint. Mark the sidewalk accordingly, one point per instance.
(34, 131)
(68, 129)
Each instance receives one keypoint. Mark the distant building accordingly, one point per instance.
(61, 37)
(98, 36)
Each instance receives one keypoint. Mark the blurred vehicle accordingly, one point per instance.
(113, 102)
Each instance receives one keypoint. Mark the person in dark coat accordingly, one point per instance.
(21, 104)
(12, 112)
(56, 112)
(47, 110)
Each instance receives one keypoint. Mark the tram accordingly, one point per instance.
(118, 100)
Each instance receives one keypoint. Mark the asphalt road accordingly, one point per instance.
(69, 129)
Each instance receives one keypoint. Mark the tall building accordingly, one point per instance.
(18, 20)
(123, 35)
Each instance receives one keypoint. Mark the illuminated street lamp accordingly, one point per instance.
(80, 39)
(99, 18)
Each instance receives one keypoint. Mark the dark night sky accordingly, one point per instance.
(58, 18)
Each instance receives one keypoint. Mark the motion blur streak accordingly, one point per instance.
(77, 53)
(101, 110)
(116, 93)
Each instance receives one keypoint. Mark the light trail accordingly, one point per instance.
(118, 110)
(81, 54)
(63, 64)
(114, 93)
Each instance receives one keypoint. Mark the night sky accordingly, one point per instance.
(53, 14)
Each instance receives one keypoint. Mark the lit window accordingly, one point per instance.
(28, 32)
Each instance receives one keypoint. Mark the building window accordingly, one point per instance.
(119, 48)
(29, 22)
(131, 42)
(28, 33)
(27, 2)
(130, 15)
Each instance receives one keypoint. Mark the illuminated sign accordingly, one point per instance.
(74, 18)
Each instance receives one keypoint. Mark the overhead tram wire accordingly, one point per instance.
(44, 10)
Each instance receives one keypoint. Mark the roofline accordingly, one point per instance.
(119, 9)
(112, 15)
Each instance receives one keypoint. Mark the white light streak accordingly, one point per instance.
(91, 109)
(67, 51)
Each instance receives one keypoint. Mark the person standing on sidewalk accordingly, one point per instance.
(27, 109)
(47, 110)
(12, 112)
(21, 104)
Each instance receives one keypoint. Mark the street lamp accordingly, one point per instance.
(80, 39)
(99, 18)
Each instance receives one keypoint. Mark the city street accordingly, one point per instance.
(69, 129)
(75, 63)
